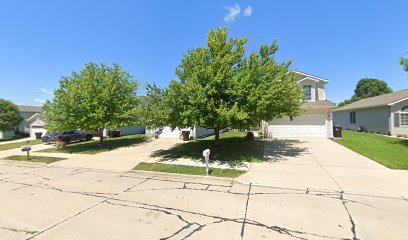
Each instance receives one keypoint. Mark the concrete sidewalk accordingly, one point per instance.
(17, 140)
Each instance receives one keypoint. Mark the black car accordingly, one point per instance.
(68, 136)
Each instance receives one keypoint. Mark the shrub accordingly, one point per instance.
(260, 132)
(249, 136)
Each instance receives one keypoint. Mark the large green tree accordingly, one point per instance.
(97, 97)
(219, 87)
(10, 116)
(367, 87)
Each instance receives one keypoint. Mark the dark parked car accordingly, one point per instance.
(68, 136)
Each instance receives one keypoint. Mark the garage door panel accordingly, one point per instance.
(306, 126)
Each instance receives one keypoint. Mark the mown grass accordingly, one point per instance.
(8, 146)
(93, 146)
(233, 148)
(388, 151)
(42, 159)
(191, 170)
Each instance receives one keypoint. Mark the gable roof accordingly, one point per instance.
(303, 76)
(378, 101)
(33, 109)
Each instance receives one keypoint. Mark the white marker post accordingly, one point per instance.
(206, 155)
(26, 149)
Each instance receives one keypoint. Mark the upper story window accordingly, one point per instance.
(352, 117)
(404, 116)
(307, 92)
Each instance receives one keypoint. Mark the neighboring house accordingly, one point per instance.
(315, 122)
(32, 123)
(386, 114)
(167, 132)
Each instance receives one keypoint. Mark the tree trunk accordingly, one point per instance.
(101, 136)
(217, 136)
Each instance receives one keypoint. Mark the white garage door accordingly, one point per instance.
(168, 133)
(33, 130)
(305, 126)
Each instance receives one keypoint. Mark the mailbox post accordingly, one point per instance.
(206, 155)
(26, 149)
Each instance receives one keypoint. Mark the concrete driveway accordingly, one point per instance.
(307, 194)
(324, 164)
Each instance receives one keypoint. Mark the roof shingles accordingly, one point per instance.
(378, 101)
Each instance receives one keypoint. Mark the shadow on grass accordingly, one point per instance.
(93, 147)
(233, 149)
(278, 150)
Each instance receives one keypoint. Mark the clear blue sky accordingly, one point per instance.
(342, 41)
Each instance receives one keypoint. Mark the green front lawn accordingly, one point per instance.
(93, 147)
(8, 146)
(34, 158)
(191, 170)
(390, 152)
(234, 148)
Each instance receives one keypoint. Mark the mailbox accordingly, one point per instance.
(206, 155)
(25, 148)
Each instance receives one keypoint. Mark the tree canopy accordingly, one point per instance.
(97, 97)
(367, 87)
(404, 63)
(10, 116)
(220, 87)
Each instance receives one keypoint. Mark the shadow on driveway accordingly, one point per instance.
(279, 150)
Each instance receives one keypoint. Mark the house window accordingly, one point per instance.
(404, 116)
(307, 92)
(352, 117)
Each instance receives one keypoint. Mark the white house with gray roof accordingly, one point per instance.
(33, 122)
(316, 120)
(387, 114)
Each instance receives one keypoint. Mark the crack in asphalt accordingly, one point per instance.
(191, 228)
(28, 232)
(352, 222)
(78, 213)
(246, 211)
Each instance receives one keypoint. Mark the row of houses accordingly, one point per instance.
(387, 114)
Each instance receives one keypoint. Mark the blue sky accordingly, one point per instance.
(342, 41)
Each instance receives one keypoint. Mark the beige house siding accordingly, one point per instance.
(401, 129)
(371, 119)
(312, 83)
(320, 91)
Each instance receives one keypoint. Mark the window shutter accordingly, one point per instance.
(396, 119)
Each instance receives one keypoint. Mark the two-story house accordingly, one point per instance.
(314, 122)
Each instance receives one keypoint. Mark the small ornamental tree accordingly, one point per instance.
(10, 116)
(97, 97)
(219, 87)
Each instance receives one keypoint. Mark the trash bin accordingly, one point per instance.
(38, 135)
(186, 135)
(337, 132)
